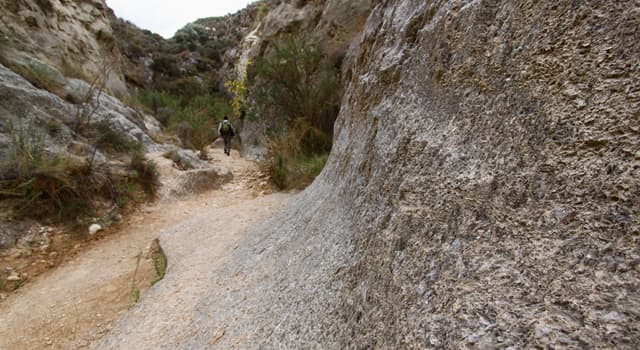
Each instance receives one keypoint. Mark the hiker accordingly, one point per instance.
(225, 130)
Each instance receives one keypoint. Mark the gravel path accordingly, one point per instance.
(76, 304)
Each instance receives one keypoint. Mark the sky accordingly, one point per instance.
(166, 17)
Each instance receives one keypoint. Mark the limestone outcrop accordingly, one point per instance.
(22, 104)
(482, 191)
(62, 38)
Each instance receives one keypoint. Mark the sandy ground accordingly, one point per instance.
(77, 303)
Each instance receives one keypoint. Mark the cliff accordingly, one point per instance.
(482, 191)
(63, 38)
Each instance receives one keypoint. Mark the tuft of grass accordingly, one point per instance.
(41, 76)
(145, 173)
(106, 138)
(134, 294)
(180, 162)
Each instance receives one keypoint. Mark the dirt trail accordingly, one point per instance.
(79, 302)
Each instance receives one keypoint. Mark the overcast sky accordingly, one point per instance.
(166, 17)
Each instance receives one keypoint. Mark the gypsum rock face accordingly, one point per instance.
(20, 100)
(491, 151)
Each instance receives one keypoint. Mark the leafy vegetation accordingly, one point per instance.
(192, 116)
(159, 261)
(295, 88)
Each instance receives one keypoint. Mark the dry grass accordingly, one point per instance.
(291, 161)
(59, 187)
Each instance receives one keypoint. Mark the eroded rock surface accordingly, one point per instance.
(22, 104)
(491, 151)
(482, 191)
(69, 37)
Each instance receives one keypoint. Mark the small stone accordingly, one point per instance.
(94, 228)
(13, 277)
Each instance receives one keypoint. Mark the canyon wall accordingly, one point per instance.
(491, 152)
(62, 38)
(482, 191)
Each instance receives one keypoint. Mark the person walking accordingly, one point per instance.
(226, 131)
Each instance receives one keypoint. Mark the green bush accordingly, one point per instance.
(193, 119)
(295, 89)
(161, 104)
(166, 65)
(106, 138)
(145, 173)
(296, 81)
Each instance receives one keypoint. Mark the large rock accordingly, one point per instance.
(21, 104)
(483, 190)
(74, 37)
(196, 181)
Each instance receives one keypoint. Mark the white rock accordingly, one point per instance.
(93, 229)
(13, 277)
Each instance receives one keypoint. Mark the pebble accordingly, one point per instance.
(94, 228)
(13, 277)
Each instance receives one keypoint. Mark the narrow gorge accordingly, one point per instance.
(482, 189)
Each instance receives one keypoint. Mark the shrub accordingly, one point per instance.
(44, 184)
(289, 163)
(145, 173)
(295, 88)
(166, 65)
(106, 138)
(185, 89)
(296, 81)
(161, 104)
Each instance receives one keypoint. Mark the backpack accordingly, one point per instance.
(226, 129)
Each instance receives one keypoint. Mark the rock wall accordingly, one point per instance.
(482, 191)
(491, 151)
(72, 37)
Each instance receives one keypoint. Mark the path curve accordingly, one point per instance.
(75, 305)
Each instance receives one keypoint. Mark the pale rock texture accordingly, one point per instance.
(21, 102)
(71, 37)
(482, 192)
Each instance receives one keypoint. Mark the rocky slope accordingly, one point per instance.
(26, 111)
(482, 191)
(61, 38)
